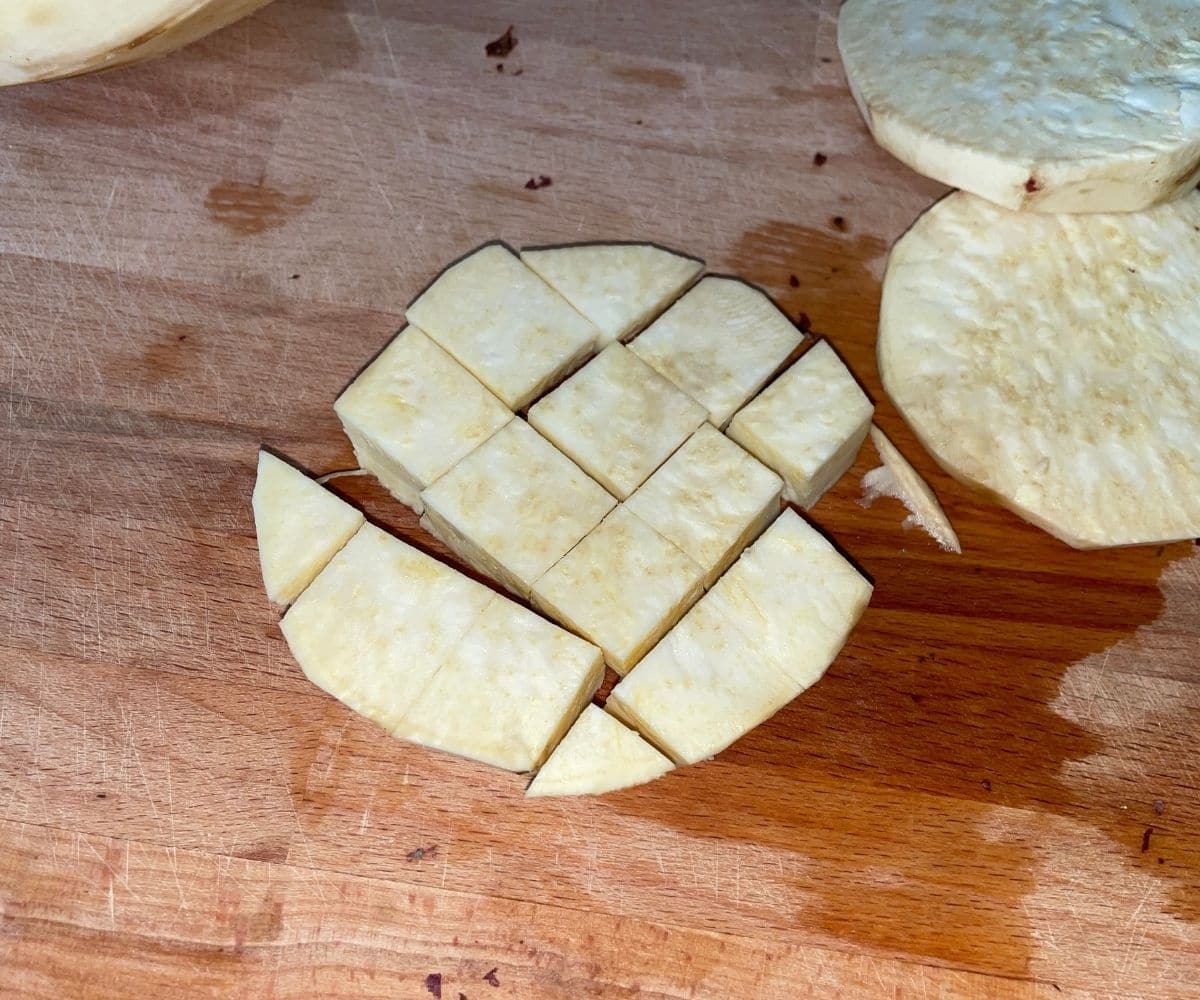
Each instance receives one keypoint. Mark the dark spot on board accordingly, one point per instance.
(421, 853)
(539, 182)
(491, 978)
(839, 223)
(172, 354)
(652, 76)
(1032, 185)
(272, 851)
(518, 71)
(433, 983)
(499, 67)
(803, 323)
(462, 996)
(826, 59)
(986, 784)
(793, 281)
(294, 277)
(250, 209)
(638, 122)
(820, 159)
(499, 48)
(1159, 807)
(101, 795)
(1146, 838)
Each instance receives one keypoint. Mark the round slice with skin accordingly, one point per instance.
(1056, 106)
(1054, 361)
(44, 39)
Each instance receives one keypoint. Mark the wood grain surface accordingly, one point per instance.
(993, 792)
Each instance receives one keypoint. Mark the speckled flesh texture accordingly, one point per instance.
(620, 287)
(720, 344)
(767, 631)
(43, 39)
(623, 586)
(504, 324)
(795, 598)
(807, 425)
(414, 412)
(378, 622)
(514, 506)
(299, 524)
(701, 688)
(1054, 361)
(618, 418)
(511, 688)
(711, 499)
(437, 659)
(1057, 106)
(598, 755)
(896, 478)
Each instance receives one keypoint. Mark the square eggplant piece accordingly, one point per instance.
(711, 498)
(509, 692)
(618, 418)
(720, 344)
(808, 425)
(701, 688)
(514, 506)
(622, 587)
(505, 325)
(414, 412)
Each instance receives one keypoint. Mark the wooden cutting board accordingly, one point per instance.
(992, 793)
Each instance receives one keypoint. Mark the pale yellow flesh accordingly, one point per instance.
(807, 425)
(300, 526)
(711, 499)
(720, 344)
(43, 39)
(896, 478)
(378, 623)
(618, 286)
(795, 597)
(598, 755)
(623, 586)
(414, 412)
(1054, 361)
(618, 418)
(701, 688)
(508, 692)
(514, 506)
(504, 324)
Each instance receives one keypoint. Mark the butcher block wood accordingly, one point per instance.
(993, 792)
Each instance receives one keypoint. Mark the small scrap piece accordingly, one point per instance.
(807, 425)
(598, 755)
(618, 418)
(720, 344)
(620, 287)
(512, 687)
(514, 507)
(414, 412)
(300, 526)
(622, 587)
(711, 499)
(504, 324)
(896, 478)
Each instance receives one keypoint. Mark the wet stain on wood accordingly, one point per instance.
(250, 209)
(652, 76)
